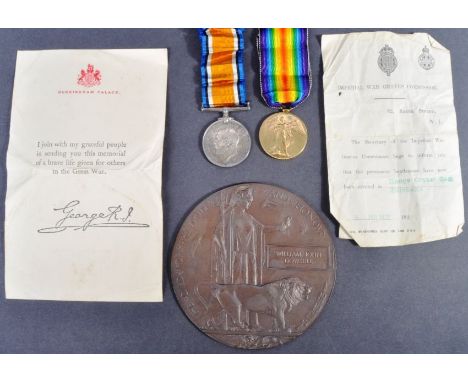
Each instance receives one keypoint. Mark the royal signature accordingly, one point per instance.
(71, 219)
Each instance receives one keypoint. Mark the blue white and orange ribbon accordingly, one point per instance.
(222, 67)
(284, 66)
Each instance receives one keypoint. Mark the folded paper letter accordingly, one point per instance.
(83, 216)
(392, 144)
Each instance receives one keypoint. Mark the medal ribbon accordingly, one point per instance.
(222, 67)
(284, 66)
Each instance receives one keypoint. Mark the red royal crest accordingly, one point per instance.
(90, 77)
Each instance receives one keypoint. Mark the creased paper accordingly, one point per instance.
(83, 206)
(391, 133)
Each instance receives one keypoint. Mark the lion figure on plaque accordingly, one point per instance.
(241, 303)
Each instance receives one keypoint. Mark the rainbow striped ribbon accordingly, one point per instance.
(284, 66)
(222, 67)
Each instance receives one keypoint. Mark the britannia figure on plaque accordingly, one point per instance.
(238, 249)
(238, 243)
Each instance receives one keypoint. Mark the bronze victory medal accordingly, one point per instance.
(283, 135)
(253, 266)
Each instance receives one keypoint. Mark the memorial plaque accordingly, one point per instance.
(253, 266)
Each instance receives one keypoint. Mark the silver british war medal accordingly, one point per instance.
(226, 142)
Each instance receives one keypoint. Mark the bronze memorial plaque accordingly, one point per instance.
(253, 265)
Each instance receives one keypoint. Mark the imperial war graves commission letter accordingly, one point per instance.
(392, 143)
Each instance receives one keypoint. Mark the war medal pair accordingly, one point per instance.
(284, 80)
